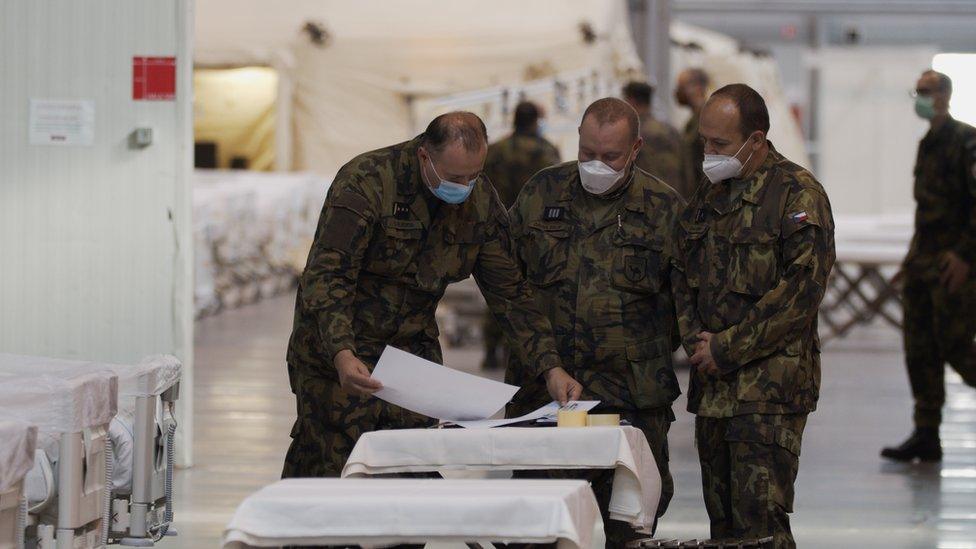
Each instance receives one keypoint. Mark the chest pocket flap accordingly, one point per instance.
(544, 248)
(753, 265)
(638, 260)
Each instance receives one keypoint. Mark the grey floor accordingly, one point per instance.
(846, 496)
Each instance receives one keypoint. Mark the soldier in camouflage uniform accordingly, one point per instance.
(661, 154)
(509, 164)
(753, 252)
(595, 249)
(939, 289)
(392, 235)
(691, 91)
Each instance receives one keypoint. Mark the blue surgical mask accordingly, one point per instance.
(448, 191)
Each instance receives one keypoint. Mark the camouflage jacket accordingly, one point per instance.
(752, 260)
(945, 193)
(661, 153)
(513, 160)
(600, 268)
(381, 260)
(692, 154)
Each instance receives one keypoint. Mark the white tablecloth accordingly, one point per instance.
(636, 483)
(17, 440)
(383, 511)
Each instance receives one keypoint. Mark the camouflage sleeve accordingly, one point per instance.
(790, 307)
(509, 297)
(685, 298)
(966, 244)
(329, 281)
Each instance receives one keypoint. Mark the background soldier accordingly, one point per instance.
(691, 91)
(754, 249)
(939, 292)
(591, 236)
(509, 164)
(398, 225)
(661, 154)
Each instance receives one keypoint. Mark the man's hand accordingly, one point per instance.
(702, 359)
(955, 271)
(562, 387)
(354, 376)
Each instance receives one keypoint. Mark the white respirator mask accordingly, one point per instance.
(719, 167)
(598, 178)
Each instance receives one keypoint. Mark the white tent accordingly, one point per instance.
(721, 57)
(356, 88)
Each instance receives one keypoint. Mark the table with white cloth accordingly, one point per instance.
(386, 511)
(636, 482)
(864, 284)
(17, 442)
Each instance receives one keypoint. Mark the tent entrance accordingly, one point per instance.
(234, 122)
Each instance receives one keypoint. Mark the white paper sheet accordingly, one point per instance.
(546, 413)
(437, 391)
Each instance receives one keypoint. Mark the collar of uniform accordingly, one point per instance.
(941, 133)
(408, 176)
(729, 195)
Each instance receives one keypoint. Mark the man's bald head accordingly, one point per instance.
(609, 111)
(460, 128)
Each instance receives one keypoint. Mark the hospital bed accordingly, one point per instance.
(142, 440)
(66, 490)
(17, 444)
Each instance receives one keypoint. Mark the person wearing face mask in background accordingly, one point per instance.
(592, 237)
(661, 154)
(753, 252)
(690, 91)
(398, 225)
(939, 292)
(509, 164)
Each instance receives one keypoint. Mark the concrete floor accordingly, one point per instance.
(846, 495)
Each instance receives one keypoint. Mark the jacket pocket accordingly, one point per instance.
(753, 265)
(655, 383)
(544, 248)
(771, 379)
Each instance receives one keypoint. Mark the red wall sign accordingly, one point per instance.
(154, 78)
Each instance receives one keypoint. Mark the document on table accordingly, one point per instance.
(548, 412)
(437, 391)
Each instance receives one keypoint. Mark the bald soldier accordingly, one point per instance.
(592, 237)
(399, 224)
(939, 289)
(753, 252)
(660, 155)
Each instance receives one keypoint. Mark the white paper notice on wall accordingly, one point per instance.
(62, 122)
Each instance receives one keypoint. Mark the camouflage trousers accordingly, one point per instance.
(655, 425)
(938, 328)
(749, 464)
(330, 422)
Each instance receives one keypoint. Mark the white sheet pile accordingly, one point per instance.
(382, 511)
(17, 442)
(252, 232)
(636, 484)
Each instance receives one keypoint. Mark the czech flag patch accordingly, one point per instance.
(799, 217)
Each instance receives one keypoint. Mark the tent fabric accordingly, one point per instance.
(353, 92)
(720, 56)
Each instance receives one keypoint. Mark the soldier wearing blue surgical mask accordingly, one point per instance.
(399, 224)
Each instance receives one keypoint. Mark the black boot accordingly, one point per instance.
(924, 444)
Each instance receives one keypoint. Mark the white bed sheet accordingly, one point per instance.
(18, 439)
(151, 376)
(636, 484)
(380, 511)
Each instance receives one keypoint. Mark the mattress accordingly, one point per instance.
(17, 442)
